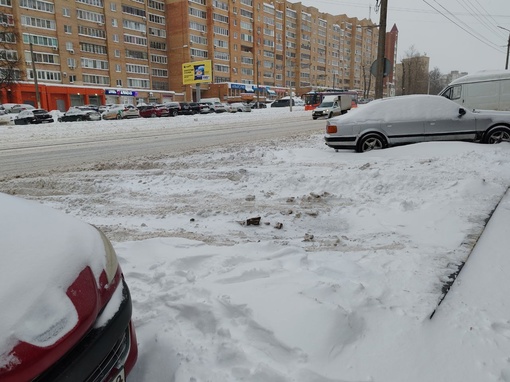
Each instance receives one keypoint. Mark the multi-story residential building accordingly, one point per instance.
(129, 51)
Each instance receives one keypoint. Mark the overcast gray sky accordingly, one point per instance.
(456, 34)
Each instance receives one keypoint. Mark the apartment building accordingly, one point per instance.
(130, 51)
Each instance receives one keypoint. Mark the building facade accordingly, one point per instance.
(132, 51)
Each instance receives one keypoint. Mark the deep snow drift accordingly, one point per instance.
(338, 281)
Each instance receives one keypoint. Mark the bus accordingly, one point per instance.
(314, 98)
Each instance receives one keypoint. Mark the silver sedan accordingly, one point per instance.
(415, 118)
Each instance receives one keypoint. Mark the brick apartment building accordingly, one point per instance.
(129, 51)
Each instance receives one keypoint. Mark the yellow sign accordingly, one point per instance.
(196, 72)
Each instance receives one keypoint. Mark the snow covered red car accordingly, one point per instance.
(66, 309)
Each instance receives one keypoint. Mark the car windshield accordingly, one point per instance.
(326, 104)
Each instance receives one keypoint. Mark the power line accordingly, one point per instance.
(486, 42)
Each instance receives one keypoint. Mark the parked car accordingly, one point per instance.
(257, 105)
(103, 108)
(16, 108)
(80, 113)
(195, 107)
(121, 112)
(240, 107)
(66, 308)
(174, 108)
(185, 108)
(153, 111)
(205, 108)
(415, 118)
(216, 107)
(229, 108)
(33, 116)
(283, 102)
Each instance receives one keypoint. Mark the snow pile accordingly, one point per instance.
(338, 281)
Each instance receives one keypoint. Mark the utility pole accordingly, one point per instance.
(507, 47)
(381, 49)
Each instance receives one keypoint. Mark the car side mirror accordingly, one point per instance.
(462, 111)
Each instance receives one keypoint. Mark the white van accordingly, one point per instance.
(487, 90)
(332, 105)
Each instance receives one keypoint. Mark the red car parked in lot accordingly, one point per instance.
(66, 309)
(152, 111)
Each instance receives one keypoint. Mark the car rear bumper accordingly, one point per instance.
(102, 352)
(344, 142)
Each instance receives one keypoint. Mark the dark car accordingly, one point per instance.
(285, 102)
(80, 113)
(174, 108)
(258, 105)
(195, 107)
(66, 308)
(33, 116)
(153, 111)
(415, 118)
(185, 108)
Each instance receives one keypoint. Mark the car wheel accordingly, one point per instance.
(314, 117)
(330, 115)
(371, 142)
(79, 119)
(119, 116)
(497, 135)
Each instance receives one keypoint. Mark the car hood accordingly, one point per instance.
(44, 253)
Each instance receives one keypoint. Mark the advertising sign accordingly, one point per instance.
(196, 72)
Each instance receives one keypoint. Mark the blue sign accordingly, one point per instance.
(238, 86)
(118, 92)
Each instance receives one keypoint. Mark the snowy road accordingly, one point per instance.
(65, 146)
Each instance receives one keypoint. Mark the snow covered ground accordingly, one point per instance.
(338, 281)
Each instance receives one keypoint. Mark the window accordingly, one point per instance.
(42, 6)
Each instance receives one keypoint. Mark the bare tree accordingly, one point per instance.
(10, 62)
(436, 80)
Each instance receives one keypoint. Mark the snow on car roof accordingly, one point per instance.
(393, 109)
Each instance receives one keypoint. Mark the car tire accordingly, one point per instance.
(79, 119)
(119, 116)
(314, 117)
(371, 141)
(497, 135)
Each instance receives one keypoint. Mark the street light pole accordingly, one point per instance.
(380, 50)
(507, 47)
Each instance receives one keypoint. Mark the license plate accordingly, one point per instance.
(119, 377)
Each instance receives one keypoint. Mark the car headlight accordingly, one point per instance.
(112, 263)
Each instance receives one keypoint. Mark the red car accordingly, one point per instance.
(152, 111)
(66, 309)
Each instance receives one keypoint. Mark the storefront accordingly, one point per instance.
(62, 97)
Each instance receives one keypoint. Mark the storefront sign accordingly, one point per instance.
(119, 92)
